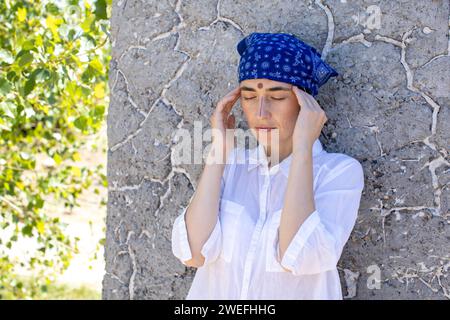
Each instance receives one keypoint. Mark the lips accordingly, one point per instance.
(264, 128)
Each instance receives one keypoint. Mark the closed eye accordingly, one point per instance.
(251, 98)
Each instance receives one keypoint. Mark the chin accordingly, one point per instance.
(266, 138)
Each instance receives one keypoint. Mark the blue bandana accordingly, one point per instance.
(283, 57)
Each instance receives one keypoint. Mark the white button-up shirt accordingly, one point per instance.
(241, 254)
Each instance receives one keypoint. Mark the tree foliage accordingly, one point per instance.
(54, 58)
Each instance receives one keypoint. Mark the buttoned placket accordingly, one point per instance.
(264, 196)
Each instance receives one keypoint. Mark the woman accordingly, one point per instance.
(262, 230)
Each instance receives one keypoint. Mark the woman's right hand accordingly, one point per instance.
(223, 124)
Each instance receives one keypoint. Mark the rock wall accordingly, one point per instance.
(389, 108)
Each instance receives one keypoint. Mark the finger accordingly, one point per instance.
(229, 105)
(231, 122)
(317, 106)
(233, 92)
(301, 97)
(311, 102)
(231, 97)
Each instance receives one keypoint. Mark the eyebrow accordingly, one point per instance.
(245, 88)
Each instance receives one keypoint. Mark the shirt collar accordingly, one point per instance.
(257, 157)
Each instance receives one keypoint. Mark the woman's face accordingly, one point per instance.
(269, 103)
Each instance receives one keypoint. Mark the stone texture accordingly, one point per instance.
(389, 108)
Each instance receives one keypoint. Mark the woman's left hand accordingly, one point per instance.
(310, 120)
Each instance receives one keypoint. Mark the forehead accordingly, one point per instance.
(265, 83)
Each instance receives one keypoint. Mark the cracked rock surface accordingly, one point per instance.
(172, 60)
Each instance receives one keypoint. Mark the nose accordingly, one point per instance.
(263, 108)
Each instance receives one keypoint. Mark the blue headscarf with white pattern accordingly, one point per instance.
(283, 57)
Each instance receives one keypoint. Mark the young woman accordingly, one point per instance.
(262, 230)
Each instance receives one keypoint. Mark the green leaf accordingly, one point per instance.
(87, 24)
(39, 203)
(40, 227)
(28, 45)
(97, 65)
(12, 76)
(8, 109)
(81, 123)
(71, 35)
(100, 9)
(27, 230)
(25, 59)
(29, 86)
(41, 74)
(99, 111)
(88, 74)
(52, 99)
(57, 158)
(5, 86)
(52, 8)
